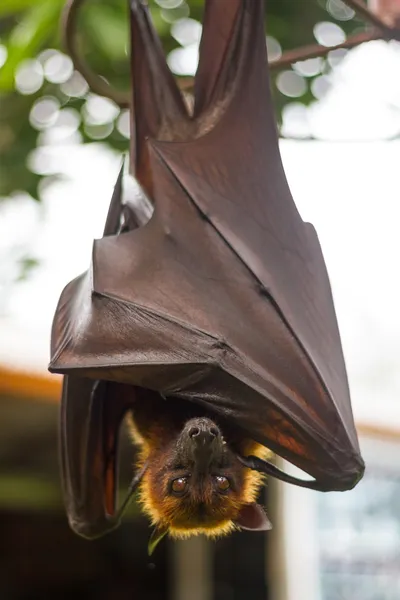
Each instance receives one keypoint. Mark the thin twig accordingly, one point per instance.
(95, 82)
(314, 50)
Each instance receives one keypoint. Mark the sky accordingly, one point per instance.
(346, 185)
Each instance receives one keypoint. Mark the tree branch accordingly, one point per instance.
(315, 50)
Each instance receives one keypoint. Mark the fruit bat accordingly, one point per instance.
(207, 311)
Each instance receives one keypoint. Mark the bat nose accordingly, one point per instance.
(203, 433)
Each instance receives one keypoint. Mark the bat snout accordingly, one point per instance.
(203, 442)
(202, 431)
(204, 435)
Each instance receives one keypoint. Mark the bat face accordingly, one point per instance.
(200, 484)
(194, 482)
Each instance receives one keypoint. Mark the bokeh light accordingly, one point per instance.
(44, 112)
(67, 123)
(58, 68)
(309, 67)
(186, 31)
(174, 14)
(98, 131)
(75, 87)
(123, 123)
(320, 86)
(274, 48)
(99, 111)
(184, 61)
(339, 10)
(3, 55)
(329, 34)
(169, 4)
(29, 77)
(291, 84)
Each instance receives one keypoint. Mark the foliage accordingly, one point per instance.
(41, 96)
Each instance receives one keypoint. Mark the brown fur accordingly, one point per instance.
(156, 426)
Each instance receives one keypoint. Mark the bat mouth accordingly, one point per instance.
(202, 512)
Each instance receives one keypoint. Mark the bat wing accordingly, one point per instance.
(222, 297)
(158, 110)
(88, 442)
(91, 415)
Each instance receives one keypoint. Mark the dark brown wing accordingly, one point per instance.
(217, 60)
(90, 420)
(158, 110)
(91, 414)
(222, 298)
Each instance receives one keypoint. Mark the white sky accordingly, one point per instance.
(348, 190)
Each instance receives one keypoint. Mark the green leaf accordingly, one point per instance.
(109, 30)
(157, 535)
(27, 264)
(10, 7)
(29, 36)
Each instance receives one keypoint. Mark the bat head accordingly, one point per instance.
(195, 484)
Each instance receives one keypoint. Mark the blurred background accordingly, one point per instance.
(60, 152)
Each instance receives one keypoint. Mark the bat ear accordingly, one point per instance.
(158, 533)
(253, 518)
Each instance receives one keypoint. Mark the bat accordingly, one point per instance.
(207, 308)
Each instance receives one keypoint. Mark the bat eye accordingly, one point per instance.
(179, 485)
(222, 483)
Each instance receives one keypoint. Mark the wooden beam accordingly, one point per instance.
(379, 431)
(30, 386)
